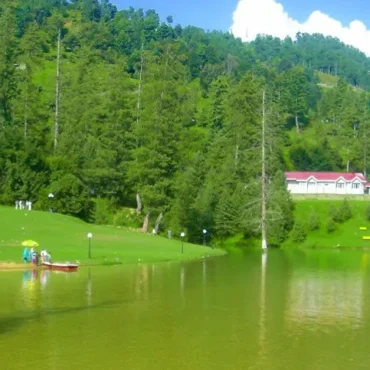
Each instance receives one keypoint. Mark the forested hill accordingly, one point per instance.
(103, 107)
(317, 53)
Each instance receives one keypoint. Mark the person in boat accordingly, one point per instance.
(43, 255)
(47, 257)
(26, 255)
(33, 257)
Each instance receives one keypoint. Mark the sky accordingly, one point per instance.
(347, 20)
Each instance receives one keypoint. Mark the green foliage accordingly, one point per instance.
(330, 225)
(103, 211)
(173, 114)
(128, 217)
(341, 212)
(367, 213)
(344, 234)
(313, 221)
(71, 196)
(346, 210)
(280, 212)
(299, 232)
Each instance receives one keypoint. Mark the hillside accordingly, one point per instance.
(345, 235)
(147, 110)
(65, 238)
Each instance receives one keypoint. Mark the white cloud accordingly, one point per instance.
(253, 17)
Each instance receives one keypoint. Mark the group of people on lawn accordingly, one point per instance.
(34, 257)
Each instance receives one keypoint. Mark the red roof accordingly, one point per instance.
(325, 176)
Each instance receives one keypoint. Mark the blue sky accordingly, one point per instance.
(217, 14)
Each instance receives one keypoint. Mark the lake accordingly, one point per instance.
(275, 310)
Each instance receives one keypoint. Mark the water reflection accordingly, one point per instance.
(326, 297)
(258, 311)
(89, 288)
(29, 288)
(262, 318)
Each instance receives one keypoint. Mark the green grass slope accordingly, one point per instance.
(327, 80)
(347, 234)
(66, 239)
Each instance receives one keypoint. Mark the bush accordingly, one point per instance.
(367, 213)
(331, 226)
(299, 232)
(128, 217)
(345, 210)
(103, 212)
(313, 221)
(341, 213)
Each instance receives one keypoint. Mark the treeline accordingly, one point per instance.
(149, 115)
(315, 52)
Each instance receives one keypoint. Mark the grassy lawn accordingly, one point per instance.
(66, 239)
(347, 234)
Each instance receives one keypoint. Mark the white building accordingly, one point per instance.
(346, 183)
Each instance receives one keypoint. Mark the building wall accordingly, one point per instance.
(311, 187)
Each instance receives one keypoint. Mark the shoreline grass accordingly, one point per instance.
(65, 237)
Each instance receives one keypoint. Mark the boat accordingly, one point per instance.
(61, 266)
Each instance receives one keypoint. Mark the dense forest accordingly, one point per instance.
(114, 110)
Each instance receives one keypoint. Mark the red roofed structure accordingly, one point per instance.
(345, 183)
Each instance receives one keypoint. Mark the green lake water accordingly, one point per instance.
(279, 310)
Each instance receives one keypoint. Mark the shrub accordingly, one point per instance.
(341, 213)
(367, 213)
(299, 232)
(331, 226)
(103, 211)
(313, 221)
(345, 210)
(128, 217)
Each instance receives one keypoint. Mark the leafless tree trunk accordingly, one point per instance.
(236, 155)
(146, 223)
(297, 123)
(138, 105)
(138, 201)
(26, 113)
(158, 222)
(57, 93)
(263, 220)
(364, 152)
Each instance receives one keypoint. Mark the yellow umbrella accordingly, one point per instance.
(30, 243)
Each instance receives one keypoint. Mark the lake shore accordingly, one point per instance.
(8, 266)
(66, 239)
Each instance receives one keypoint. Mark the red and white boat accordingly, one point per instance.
(61, 266)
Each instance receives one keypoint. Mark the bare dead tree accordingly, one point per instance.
(158, 222)
(57, 92)
(138, 202)
(146, 223)
(263, 176)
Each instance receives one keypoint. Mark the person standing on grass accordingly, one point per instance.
(26, 255)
